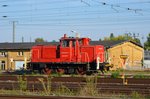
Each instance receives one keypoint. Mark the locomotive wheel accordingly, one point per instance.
(47, 71)
(69, 71)
(80, 71)
(60, 71)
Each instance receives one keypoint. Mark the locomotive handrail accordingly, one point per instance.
(99, 55)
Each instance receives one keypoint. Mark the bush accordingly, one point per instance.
(46, 86)
(136, 95)
(22, 83)
(90, 89)
(115, 74)
(63, 90)
(140, 76)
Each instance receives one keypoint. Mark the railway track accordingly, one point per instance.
(47, 97)
(75, 79)
(109, 88)
(103, 85)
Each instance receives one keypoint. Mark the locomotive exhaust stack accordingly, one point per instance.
(65, 35)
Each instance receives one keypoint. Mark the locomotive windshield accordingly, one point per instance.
(66, 43)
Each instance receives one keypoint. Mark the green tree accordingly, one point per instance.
(147, 43)
(53, 41)
(39, 40)
(111, 36)
(137, 40)
(121, 37)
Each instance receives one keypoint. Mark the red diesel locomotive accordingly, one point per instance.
(72, 55)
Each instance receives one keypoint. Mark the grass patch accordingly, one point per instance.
(115, 74)
(141, 76)
(22, 83)
(136, 95)
(46, 86)
(63, 91)
(90, 89)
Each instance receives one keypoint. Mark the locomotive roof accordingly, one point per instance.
(71, 38)
(28, 45)
(108, 44)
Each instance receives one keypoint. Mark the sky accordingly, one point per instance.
(50, 19)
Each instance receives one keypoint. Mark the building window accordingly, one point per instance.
(20, 53)
(3, 53)
(2, 65)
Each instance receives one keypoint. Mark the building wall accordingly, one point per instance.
(12, 56)
(133, 52)
(146, 59)
(147, 55)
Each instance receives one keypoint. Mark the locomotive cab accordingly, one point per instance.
(73, 41)
(72, 46)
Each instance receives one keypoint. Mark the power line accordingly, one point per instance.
(140, 2)
(113, 6)
(60, 14)
(55, 8)
(37, 3)
(113, 23)
(34, 17)
(83, 1)
(92, 23)
(65, 19)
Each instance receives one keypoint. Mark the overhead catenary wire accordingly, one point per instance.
(83, 1)
(81, 24)
(23, 4)
(57, 14)
(34, 17)
(70, 13)
(113, 6)
(138, 2)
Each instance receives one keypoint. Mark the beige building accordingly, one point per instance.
(13, 55)
(14, 59)
(123, 54)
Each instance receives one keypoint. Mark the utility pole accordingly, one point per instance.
(30, 39)
(22, 39)
(143, 50)
(14, 30)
